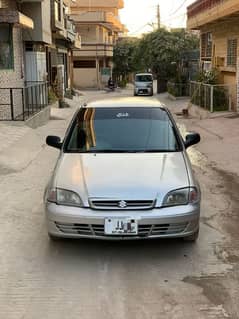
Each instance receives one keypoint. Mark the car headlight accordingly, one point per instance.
(64, 197)
(149, 85)
(182, 196)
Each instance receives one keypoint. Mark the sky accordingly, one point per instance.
(138, 14)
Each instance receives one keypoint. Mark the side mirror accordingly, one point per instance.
(54, 141)
(192, 139)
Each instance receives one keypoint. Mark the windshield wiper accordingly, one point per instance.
(158, 151)
(108, 151)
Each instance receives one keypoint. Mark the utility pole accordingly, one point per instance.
(158, 15)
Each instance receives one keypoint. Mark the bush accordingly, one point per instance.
(52, 98)
(177, 89)
(123, 83)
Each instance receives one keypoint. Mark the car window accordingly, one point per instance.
(144, 78)
(122, 130)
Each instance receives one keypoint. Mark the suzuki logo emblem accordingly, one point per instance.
(122, 204)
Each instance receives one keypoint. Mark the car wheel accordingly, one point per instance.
(193, 237)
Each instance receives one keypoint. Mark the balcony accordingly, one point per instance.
(16, 17)
(95, 50)
(99, 17)
(204, 12)
(119, 4)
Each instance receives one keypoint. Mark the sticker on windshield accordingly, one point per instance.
(125, 114)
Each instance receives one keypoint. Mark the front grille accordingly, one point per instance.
(143, 91)
(80, 229)
(143, 230)
(167, 229)
(121, 204)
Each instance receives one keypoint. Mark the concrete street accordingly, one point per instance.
(70, 279)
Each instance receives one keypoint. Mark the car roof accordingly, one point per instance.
(126, 102)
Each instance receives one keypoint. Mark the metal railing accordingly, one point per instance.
(178, 89)
(213, 98)
(18, 104)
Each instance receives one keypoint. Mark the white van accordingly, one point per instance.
(143, 84)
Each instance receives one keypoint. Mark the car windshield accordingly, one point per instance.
(122, 130)
(144, 78)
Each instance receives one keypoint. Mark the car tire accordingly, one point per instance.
(192, 238)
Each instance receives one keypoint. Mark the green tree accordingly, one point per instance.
(161, 49)
(124, 58)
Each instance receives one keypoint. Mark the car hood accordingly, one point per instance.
(122, 176)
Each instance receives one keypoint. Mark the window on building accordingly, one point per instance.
(232, 52)
(206, 45)
(6, 47)
(58, 10)
(84, 64)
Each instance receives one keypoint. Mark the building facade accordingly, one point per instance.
(218, 22)
(12, 72)
(99, 25)
(36, 43)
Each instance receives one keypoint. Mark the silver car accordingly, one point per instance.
(123, 173)
(143, 84)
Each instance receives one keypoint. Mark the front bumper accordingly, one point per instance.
(72, 222)
(144, 91)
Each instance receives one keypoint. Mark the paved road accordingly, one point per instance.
(93, 279)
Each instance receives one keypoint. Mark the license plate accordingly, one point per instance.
(121, 226)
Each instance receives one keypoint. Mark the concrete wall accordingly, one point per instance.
(13, 78)
(40, 13)
(85, 78)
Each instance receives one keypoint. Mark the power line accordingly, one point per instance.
(184, 2)
(139, 29)
(173, 18)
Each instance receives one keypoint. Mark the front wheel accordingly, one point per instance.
(192, 238)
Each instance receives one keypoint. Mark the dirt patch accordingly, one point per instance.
(231, 190)
(6, 170)
(216, 293)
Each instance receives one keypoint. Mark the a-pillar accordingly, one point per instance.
(237, 84)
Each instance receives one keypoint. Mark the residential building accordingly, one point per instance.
(36, 42)
(12, 24)
(49, 45)
(99, 25)
(218, 22)
(64, 40)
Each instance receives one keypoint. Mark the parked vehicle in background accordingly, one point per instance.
(143, 84)
(123, 173)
